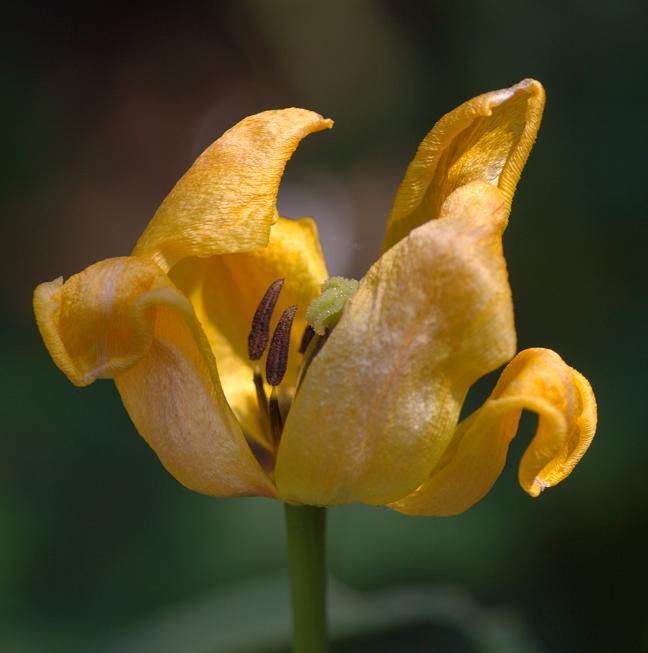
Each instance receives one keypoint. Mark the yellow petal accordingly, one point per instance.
(486, 139)
(123, 319)
(537, 380)
(226, 201)
(93, 325)
(381, 400)
(226, 290)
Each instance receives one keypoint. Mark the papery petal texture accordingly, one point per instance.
(537, 380)
(226, 201)
(93, 325)
(123, 319)
(485, 139)
(225, 291)
(380, 402)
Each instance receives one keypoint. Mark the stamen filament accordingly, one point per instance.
(309, 332)
(276, 419)
(262, 401)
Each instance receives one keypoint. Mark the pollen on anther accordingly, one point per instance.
(260, 331)
(277, 360)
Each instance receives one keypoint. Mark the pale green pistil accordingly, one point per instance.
(326, 311)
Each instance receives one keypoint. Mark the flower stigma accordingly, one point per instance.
(326, 310)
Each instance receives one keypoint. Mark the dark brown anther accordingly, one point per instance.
(260, 331)
(309, 332)
(277, 360)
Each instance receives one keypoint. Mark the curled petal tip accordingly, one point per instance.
(487, 138)
(537, 380)
(226, 201)
(554, 453)
(96, 324)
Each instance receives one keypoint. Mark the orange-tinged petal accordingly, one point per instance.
(93, 324)
(381, 400)
(537, 380)
(122, 318)
(486, 139)
(226, 201)
(226, 290)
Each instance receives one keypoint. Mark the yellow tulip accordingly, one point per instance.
(376, 415)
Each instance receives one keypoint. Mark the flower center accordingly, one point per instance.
(322, 315)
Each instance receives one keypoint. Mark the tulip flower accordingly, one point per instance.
(371, 412)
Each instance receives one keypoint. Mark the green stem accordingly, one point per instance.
(305, 534)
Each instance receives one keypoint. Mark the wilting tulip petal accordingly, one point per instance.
(486, 139)
(380, 402)
(226, 201)
(123, 319)
(225, 291)
(537, 380)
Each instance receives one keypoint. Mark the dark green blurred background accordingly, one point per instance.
(103, 107)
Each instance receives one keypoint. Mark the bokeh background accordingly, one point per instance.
(105, 105)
